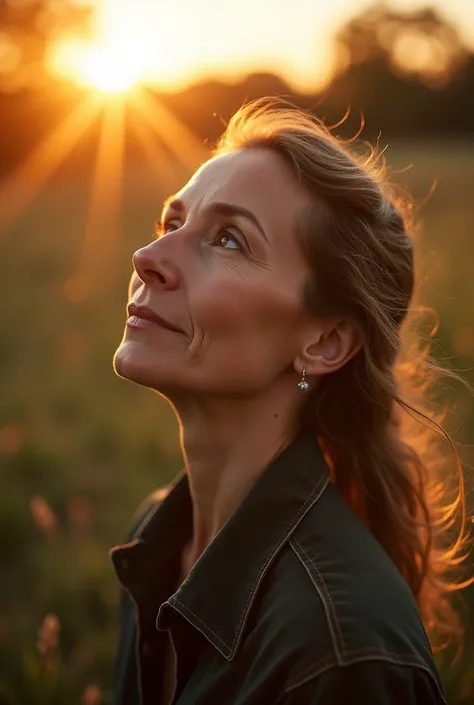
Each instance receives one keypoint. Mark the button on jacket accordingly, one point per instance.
(292, 603)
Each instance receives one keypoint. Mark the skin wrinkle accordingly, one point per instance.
(231, 379)
(217, 207)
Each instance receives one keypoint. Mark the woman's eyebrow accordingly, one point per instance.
(174, 203)
(220, 208)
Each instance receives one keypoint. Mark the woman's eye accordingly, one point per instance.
(169, 226)
(224, 234)
(231, 242)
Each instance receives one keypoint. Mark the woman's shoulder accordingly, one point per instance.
(364, 683)
(363, 609)
(365, 601)
(335, 597)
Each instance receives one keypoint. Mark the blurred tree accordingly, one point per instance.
(409, 73)
(26, 29)
(419, 43)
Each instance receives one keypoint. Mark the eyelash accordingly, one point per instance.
(161, 226)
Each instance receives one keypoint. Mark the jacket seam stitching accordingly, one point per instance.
(372, 653)
(330, 609)
(174, 601)
(325, 665)
(310, 501)
(321, 588)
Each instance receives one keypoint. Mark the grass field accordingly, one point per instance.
(80, 448)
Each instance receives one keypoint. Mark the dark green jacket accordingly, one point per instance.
(293, 603)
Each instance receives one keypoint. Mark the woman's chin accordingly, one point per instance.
(135, 364)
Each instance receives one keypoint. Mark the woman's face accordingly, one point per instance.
(228, 273)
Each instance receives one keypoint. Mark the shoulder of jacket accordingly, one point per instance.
(360, 604)
(362, 681)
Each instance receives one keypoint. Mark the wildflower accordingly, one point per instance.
(48, 637)
(92, 695)
(43, 515)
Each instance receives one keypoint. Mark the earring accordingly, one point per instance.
(303, 384)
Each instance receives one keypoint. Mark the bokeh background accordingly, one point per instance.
(105, 109)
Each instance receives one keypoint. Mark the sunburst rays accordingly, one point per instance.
(21, 186)
(181, 141)
(169, 146)
(97, 260)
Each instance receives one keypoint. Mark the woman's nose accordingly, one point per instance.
(154, 269)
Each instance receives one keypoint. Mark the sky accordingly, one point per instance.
(174, 42)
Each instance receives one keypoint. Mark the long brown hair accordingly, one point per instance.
(375, 418)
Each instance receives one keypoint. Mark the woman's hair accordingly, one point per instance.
(374, 417)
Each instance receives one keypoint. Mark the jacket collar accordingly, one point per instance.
(218, 594)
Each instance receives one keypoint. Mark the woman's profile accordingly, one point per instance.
(301, 556)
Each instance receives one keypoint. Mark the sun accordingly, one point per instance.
(110, 67)
(126, 46)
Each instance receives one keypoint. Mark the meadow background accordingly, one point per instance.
(80, 448)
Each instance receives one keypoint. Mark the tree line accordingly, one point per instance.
(404, 74)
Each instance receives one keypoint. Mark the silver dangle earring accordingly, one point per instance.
(303, 384)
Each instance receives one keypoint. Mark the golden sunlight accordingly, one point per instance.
(139, 43)
(109, 67)
(19, 188)
(124, 51)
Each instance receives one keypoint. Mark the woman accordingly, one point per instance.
(288, 561)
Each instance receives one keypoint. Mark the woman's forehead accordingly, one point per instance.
(255, 178)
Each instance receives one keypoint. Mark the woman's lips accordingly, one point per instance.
(144, 317)
(137, 322)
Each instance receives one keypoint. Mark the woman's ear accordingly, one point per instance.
(329, 347)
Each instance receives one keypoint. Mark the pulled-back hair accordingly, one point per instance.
(374, 417)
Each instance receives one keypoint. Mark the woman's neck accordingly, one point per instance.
(224, 459)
